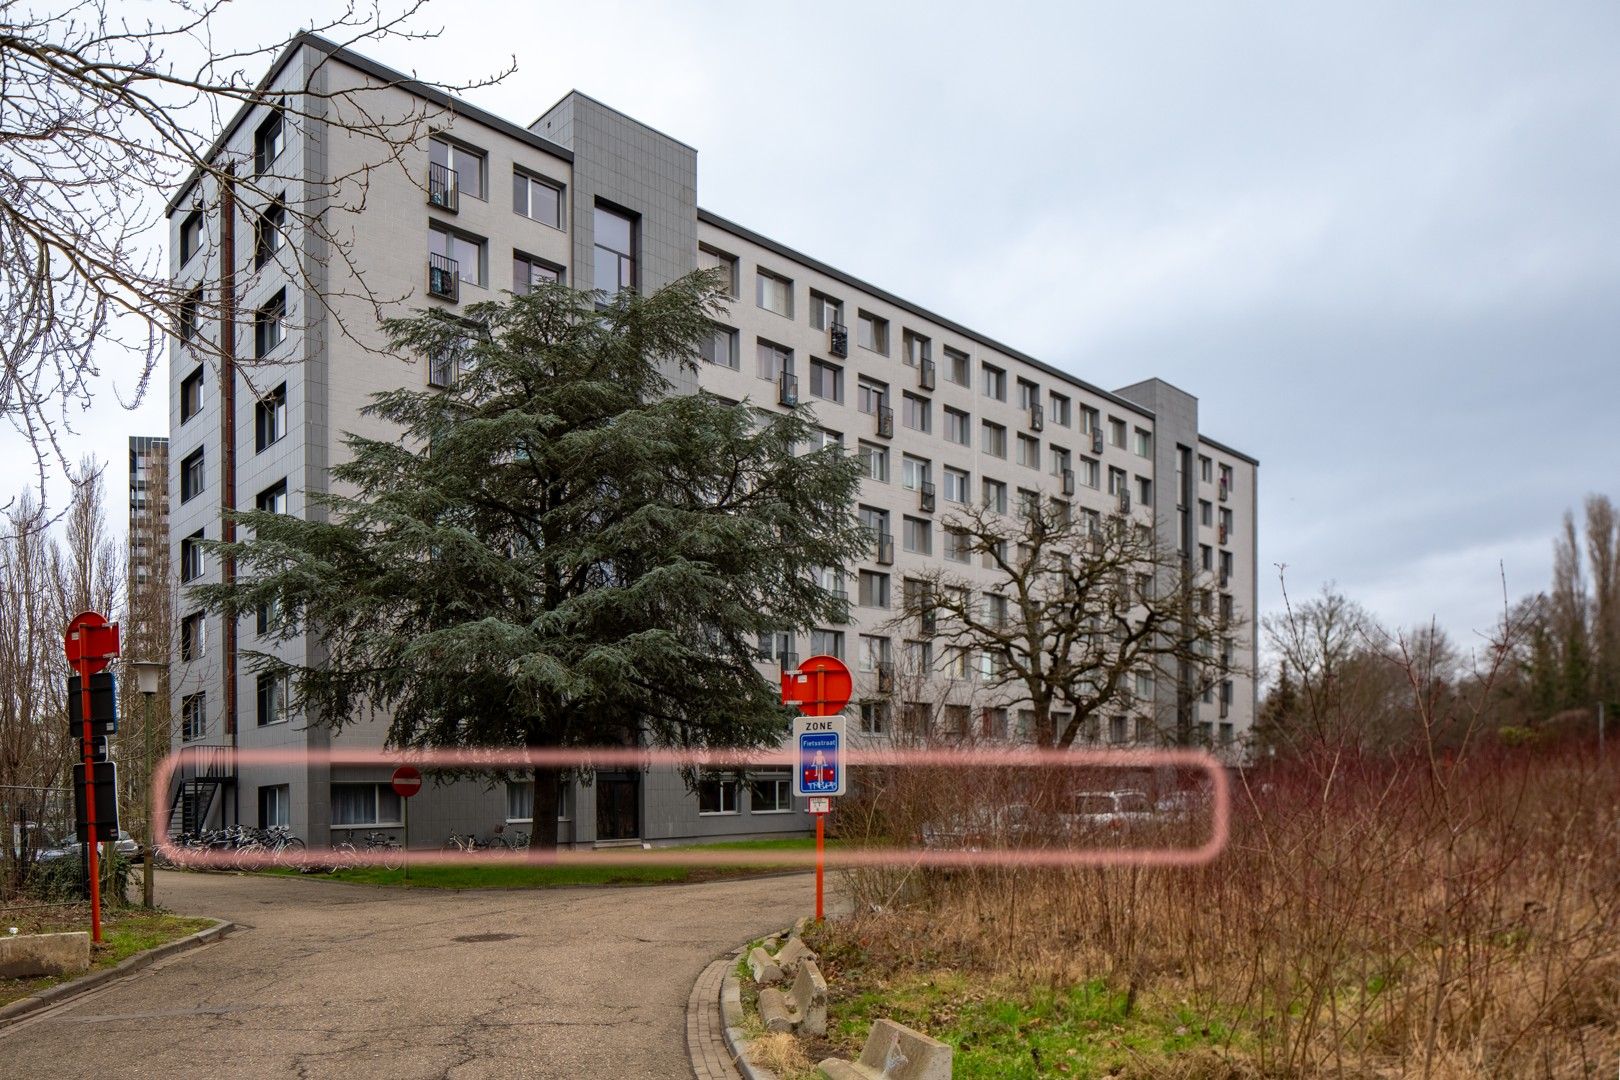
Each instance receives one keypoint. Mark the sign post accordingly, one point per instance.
(90, 641)
(407, 781)
(820, 688)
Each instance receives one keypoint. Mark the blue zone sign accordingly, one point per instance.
(818, 755)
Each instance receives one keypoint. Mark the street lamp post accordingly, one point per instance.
(147, 675)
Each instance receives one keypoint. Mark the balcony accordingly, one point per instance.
(925, 374)
(442, 191)
(1222, 533)
(1223, 491)
(1226, 578)
(838, 339)
(1037, 418)
(1124, 502)
(444, 277)
(885, 421)
(928, 619)
(787, 389)
(885, 677)
(1096, 440)
(1068, 481)
(925, 497)
(883, 548)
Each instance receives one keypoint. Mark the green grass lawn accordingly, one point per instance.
(425, 874)
(124, 933)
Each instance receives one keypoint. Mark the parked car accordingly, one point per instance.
(983, 827)
(1091, 811)
(125, 845)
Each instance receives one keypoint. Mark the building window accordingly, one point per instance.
(874, 652)
(825, 311)
(958, 545)
(1116, 432)
(914, 472)
(270, 324)
(269, 235)
(1206, 512)
(995, 496)
(615, 251)
(1029, 451)
(770, 793)
(874, 461)
(266, 617)
(537, 199)
(1144, 443)
(1029, 395)
(270, 418)
(191, 236)
(269, 141)
(272, 698)
(994, 722)
(772, 360)
(874, 717)
(993, 439)
(1206, 557)
(958, 367)
(275, 806)
(1090, 472)
(918, 536)
(826, 380)
(915, 348)
(191, 557)
(520, 802)
(191, 475)
(1117, 481)
(1206, 469)
(193, 637)
(1144, 491)
(1089, 419)
(720, 348)
(776, 645)
(827, 643)
(872, 332)
(994, 381)
(357, 805)
(467, 165)
(527, 272)
(464, 253)
(190, 315)
(717, 794)
(714, 259)
(774, 293)
(958, 486)
(191, 391)
(273, 499)
(873, 589)
(958, 427)
(870, 396)
(916, 413)
(193, 716)
(1059, 409)
(1060, 461)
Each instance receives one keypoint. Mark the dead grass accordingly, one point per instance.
(1371, 917)
(782, 1054)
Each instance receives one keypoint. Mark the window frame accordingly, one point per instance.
(763, 278)
(531, 180)
(191, 394)
(270, 418)
(879, 327)
(378, 821)
(193, 475)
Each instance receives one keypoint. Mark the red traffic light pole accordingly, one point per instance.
(89, 642)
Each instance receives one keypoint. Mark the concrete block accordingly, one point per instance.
(809, 999)
(28, 955)
(894, 1052)
(790, 955)
(773, 1010)
(764, 970)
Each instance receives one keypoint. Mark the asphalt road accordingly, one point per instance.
(325, 979)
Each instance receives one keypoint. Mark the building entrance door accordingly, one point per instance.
(618, 805)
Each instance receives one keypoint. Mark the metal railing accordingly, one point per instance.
(885, 421)
(925, 497)
(1037, 417)
(787, 389)
(442, 190)
(444, 277)
(838, 339)
(925, 374)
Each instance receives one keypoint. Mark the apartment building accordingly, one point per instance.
(939, 414)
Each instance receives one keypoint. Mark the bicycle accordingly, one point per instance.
(393, 856)
(465, 842)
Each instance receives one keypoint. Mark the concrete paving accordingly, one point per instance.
(325, 979)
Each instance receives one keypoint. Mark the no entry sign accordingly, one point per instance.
(407, 781)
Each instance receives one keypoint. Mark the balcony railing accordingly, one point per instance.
(928, 619)
(1223, 491)
(444, 277)
(883, 549)
(1222, 531)
(925, 374)
(442, 190)
(1037, 417)
(1068, 481)
(925, 497)
(208, 762)
(1124, 502)
(1096, 440)
(787, 389)
(838, 339)
(885, 677)
(885, 421)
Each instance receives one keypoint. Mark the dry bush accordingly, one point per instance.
(1380, 914)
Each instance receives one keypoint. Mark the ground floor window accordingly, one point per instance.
(274, 808)
(364, 804)
(717, 795)
(520, 802)
(770, 793)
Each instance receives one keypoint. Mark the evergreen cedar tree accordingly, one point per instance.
(558, 549)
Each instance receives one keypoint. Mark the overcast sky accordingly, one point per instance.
(1379, 242)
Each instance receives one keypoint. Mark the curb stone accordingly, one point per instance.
(67, 991)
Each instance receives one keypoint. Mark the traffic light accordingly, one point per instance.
(103, 705)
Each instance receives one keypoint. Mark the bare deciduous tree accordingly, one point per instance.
(1076, 608)
(104, 119)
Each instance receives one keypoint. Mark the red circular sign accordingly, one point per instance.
(407, 781)
(821, 686)
(90, 641)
